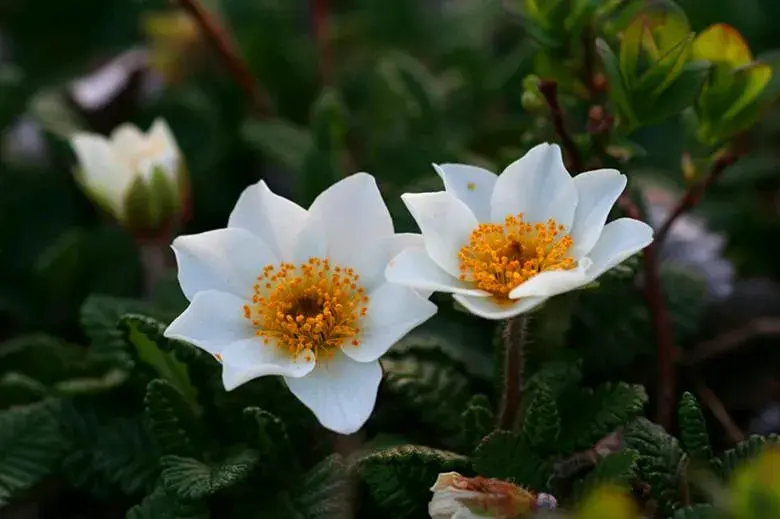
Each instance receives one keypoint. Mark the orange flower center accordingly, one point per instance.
(499, 257)
(308, 309)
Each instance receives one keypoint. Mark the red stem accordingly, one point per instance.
(321, 17)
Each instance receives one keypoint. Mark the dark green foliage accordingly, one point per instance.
(541, 423)
(693, 430)
(323, 492)
(30, 447)
(434, 390)
(587, 414)
(743, 452)
(507, 455)
(189, 479)
(617, 468)
(158, 505)
(268, 435)
(171, 419)
(478, 420)
(100, 317)
(701, 511)
(398, 479)
(661, 461)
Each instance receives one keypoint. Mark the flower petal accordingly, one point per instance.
(166, 150)
(212, 321)
(228, 260)
(356, 225)
(101, 170)
(487, 308)
(620, 239)
(403, 241)
(553, 282)
(536, 185)
(446, 224)
(340, 392)
(393, 311)
(251, 358)
(414, 268)
(471, 184)
(597, 192)
(274, 219)
(128, 141)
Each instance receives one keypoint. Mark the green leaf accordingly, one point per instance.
(158, 505)
(30, 447)
(171, 419)
(146, 335)
(618, 90)
(268, 435)
(322, 493)
(399, 479)
(478, 420)
(743, 452)
(678, 96)
(507, 455)
(433, 389)
(190, 479)
(100, 317)
(661, 461)
(541, 423)
(280, 140)
(616, 468)
(700, 511)
(693, 430)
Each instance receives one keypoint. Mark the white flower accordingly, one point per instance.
(301, 294)
(138, 178)
(459, 497)
(504, 244)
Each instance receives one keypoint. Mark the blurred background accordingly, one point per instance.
(359, 85)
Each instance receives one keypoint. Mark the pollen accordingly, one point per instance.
(471, 186)
(308, 309)
(499, 257)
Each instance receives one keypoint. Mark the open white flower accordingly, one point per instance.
(301, 294)
(140, 179)
(504, 244)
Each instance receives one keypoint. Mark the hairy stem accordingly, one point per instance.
(222, 44)
(154, 260)
(514, 338)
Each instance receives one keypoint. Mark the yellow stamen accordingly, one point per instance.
(498, 257)
(313, 307)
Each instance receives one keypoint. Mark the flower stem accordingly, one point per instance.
(154, 260)
(514, 338)
(549, 90)
(220, 40)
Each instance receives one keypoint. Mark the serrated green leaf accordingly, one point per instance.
(268, 434)
(478, 420)
(507, 455)
(434, 390)
(100, 317)
(616, 468)
(661, 461)
(399, 479)
(171, 419)
(743, 452)
(693, 430)
(190, 479)
(323, 492)
(541, 422)
(30, 447)
(158, 505)
(145, 334)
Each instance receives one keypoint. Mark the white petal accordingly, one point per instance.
(228, 260)
(166, 150)
(393, 311)
(128, 141)
(161, 133)
(356, 224)
(446, 224)
(414, 268)
(273, 218)
(620, 239)
(101, 169)
(248, 359)
(403, 241)
(471, 184)
(310, 242)
(340, 392)
(536, 185)
(212, 321)
(488, 309)
(553, 282)
(597, 192)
